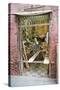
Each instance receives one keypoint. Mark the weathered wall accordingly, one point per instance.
(13, 38)
(14, 52)
(53, 42)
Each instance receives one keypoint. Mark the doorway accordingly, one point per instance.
(34, 45)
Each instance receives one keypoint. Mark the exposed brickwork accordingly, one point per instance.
(53, 43)
(14, 68)
(14, 55)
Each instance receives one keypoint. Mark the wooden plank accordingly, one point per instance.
(25, 56)
(34, 56)
(42, 62)
(34, 62)
(20, 49)
(34, 25)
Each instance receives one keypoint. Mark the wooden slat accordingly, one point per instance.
(42, 62)
(34, 25)
(34, 56)
(20, 49)
(33, 62)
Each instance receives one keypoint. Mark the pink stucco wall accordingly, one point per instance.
(53, 28)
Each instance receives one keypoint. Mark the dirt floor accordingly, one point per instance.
(36, 70)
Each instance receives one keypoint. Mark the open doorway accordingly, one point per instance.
(34, 45)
